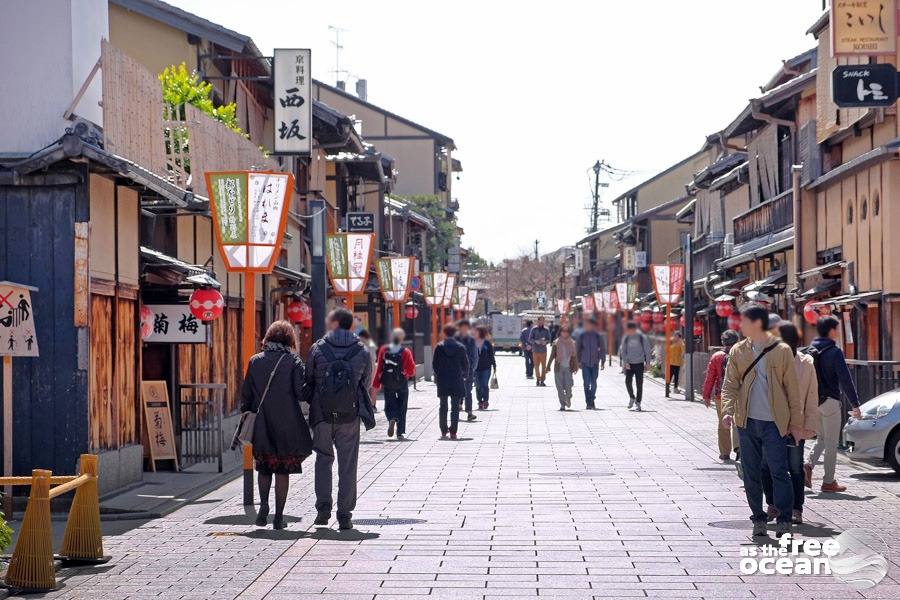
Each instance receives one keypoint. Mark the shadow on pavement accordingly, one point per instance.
(810, 529)
(840, 496)
(456, 440)
(876, 476)
(245, 519)
(351, 535)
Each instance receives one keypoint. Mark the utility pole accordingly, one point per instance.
(595, 207)
(536, 242)
(507, 287)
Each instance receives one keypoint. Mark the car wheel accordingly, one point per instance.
(892, 450)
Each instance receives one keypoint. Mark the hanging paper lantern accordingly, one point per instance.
(734, 321)
(207, 304)
(411, 312)
(698, 328)
(724, 308)
(681, 321)
(646, 325)
(811, 314)
(646, 317)
(658, 317)
(299, 311)
(147, 315)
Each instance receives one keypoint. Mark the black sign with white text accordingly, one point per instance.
(360, 222)
(861, 86)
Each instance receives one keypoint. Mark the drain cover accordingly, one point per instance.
(222, 534)
(388, 521)
(572, 474)
(533, 442)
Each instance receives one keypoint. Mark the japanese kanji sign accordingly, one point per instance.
(448, 289)
(473, 298)
(614, 303)
(861, 86)
(249, 211)
(460, 299)
(668, 282)
(293, 101)
(174, 324)
(434, 287)
(348, 256)
(607, 301)
(863, 27)
(587, 303)
(160, 440)
(562, 305)
(599, 302)
(626, 293)
(395, 275)
(18, 335)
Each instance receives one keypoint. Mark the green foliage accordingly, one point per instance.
(444, 235)
(5, 534)
(475, 260)
(180, 87)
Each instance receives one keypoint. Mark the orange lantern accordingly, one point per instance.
(734, 321)
(146, 321)
(811, 313)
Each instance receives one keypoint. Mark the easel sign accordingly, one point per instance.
(158, 422)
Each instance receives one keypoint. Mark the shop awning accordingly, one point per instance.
(823, 287)
(731, 285)
(849, 299)
(773, 280)
(285, 273)
(822, 269)
(155, 260)
(785, 241)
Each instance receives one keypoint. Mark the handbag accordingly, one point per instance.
(495, 385)
(243, 433)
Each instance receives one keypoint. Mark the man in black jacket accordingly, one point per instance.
(335, 362)
(450, 365)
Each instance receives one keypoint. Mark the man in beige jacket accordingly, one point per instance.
(761, 397)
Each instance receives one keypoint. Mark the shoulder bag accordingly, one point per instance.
(243, 434)
(758, 358)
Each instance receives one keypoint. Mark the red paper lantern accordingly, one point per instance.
(299, 311)
(734, 321)
(658, 317)
(646, 317)
(646, 325)
(681, 321)
(412, 312)
(698, 328)
(811, 314)
(146, 321)
(724, 308)
(207, 304)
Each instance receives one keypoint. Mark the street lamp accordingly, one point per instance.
(319, 275)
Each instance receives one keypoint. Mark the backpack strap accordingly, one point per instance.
(354, 350)
(758, 358)
(327, 351)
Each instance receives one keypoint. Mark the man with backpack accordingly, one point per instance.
(833, 376)
(761, 396)
(337, 376)
(450, 365)
(393, 370)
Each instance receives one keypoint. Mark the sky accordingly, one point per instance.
(534, 93)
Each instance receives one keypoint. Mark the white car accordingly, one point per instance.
(875, 437)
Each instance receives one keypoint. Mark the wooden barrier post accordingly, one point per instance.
(83, 540)
(248, 475)
(31, 566)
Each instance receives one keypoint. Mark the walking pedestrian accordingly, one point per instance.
(525, 345)
(590, 350)
(676, 359)
(394, 367)
(712, 391)
(564, 362)
(761, 396)
(450, 365)
(809, 394)
(486, 364)
(833, 377)
(338, 373)
(366, 338)
(463, 335)
(272, 389)
(635, 355)
(540, 340)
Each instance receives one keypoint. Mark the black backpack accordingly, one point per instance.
(392, 370)
(338, 396)
(817, 361)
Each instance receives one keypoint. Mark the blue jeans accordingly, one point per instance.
(589, 377)
(470, 381)
(529, 363)
(762, 443)
(483, 386)
(795, 465)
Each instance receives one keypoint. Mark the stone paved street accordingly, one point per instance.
(529, 503)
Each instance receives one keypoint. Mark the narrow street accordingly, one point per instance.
(529, 502)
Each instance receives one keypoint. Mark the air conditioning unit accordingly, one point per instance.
(728, 245)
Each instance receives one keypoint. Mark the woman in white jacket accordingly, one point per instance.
(809, 392)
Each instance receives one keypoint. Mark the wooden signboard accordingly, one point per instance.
(82, 274)
(160, 440)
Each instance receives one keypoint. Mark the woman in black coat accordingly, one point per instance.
(281, 437)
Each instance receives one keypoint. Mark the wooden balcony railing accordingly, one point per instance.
(772, 216)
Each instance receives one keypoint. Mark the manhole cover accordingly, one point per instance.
(568, 474)
(729, 469)
(222, 534)
(536, 442)
(388, 521)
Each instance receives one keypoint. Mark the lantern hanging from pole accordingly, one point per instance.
(658, 317)
(411, 312)
(146, 321)
(207, 304)
(698, 328)
(299, 311)
(734, 321)
(724, 308)
(646, 324)
(811, 313)
(646, 316)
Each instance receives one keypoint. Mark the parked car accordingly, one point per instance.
(505, 331)
(876, 436)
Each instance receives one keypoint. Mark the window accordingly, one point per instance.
(863, 209)
(876, 204)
